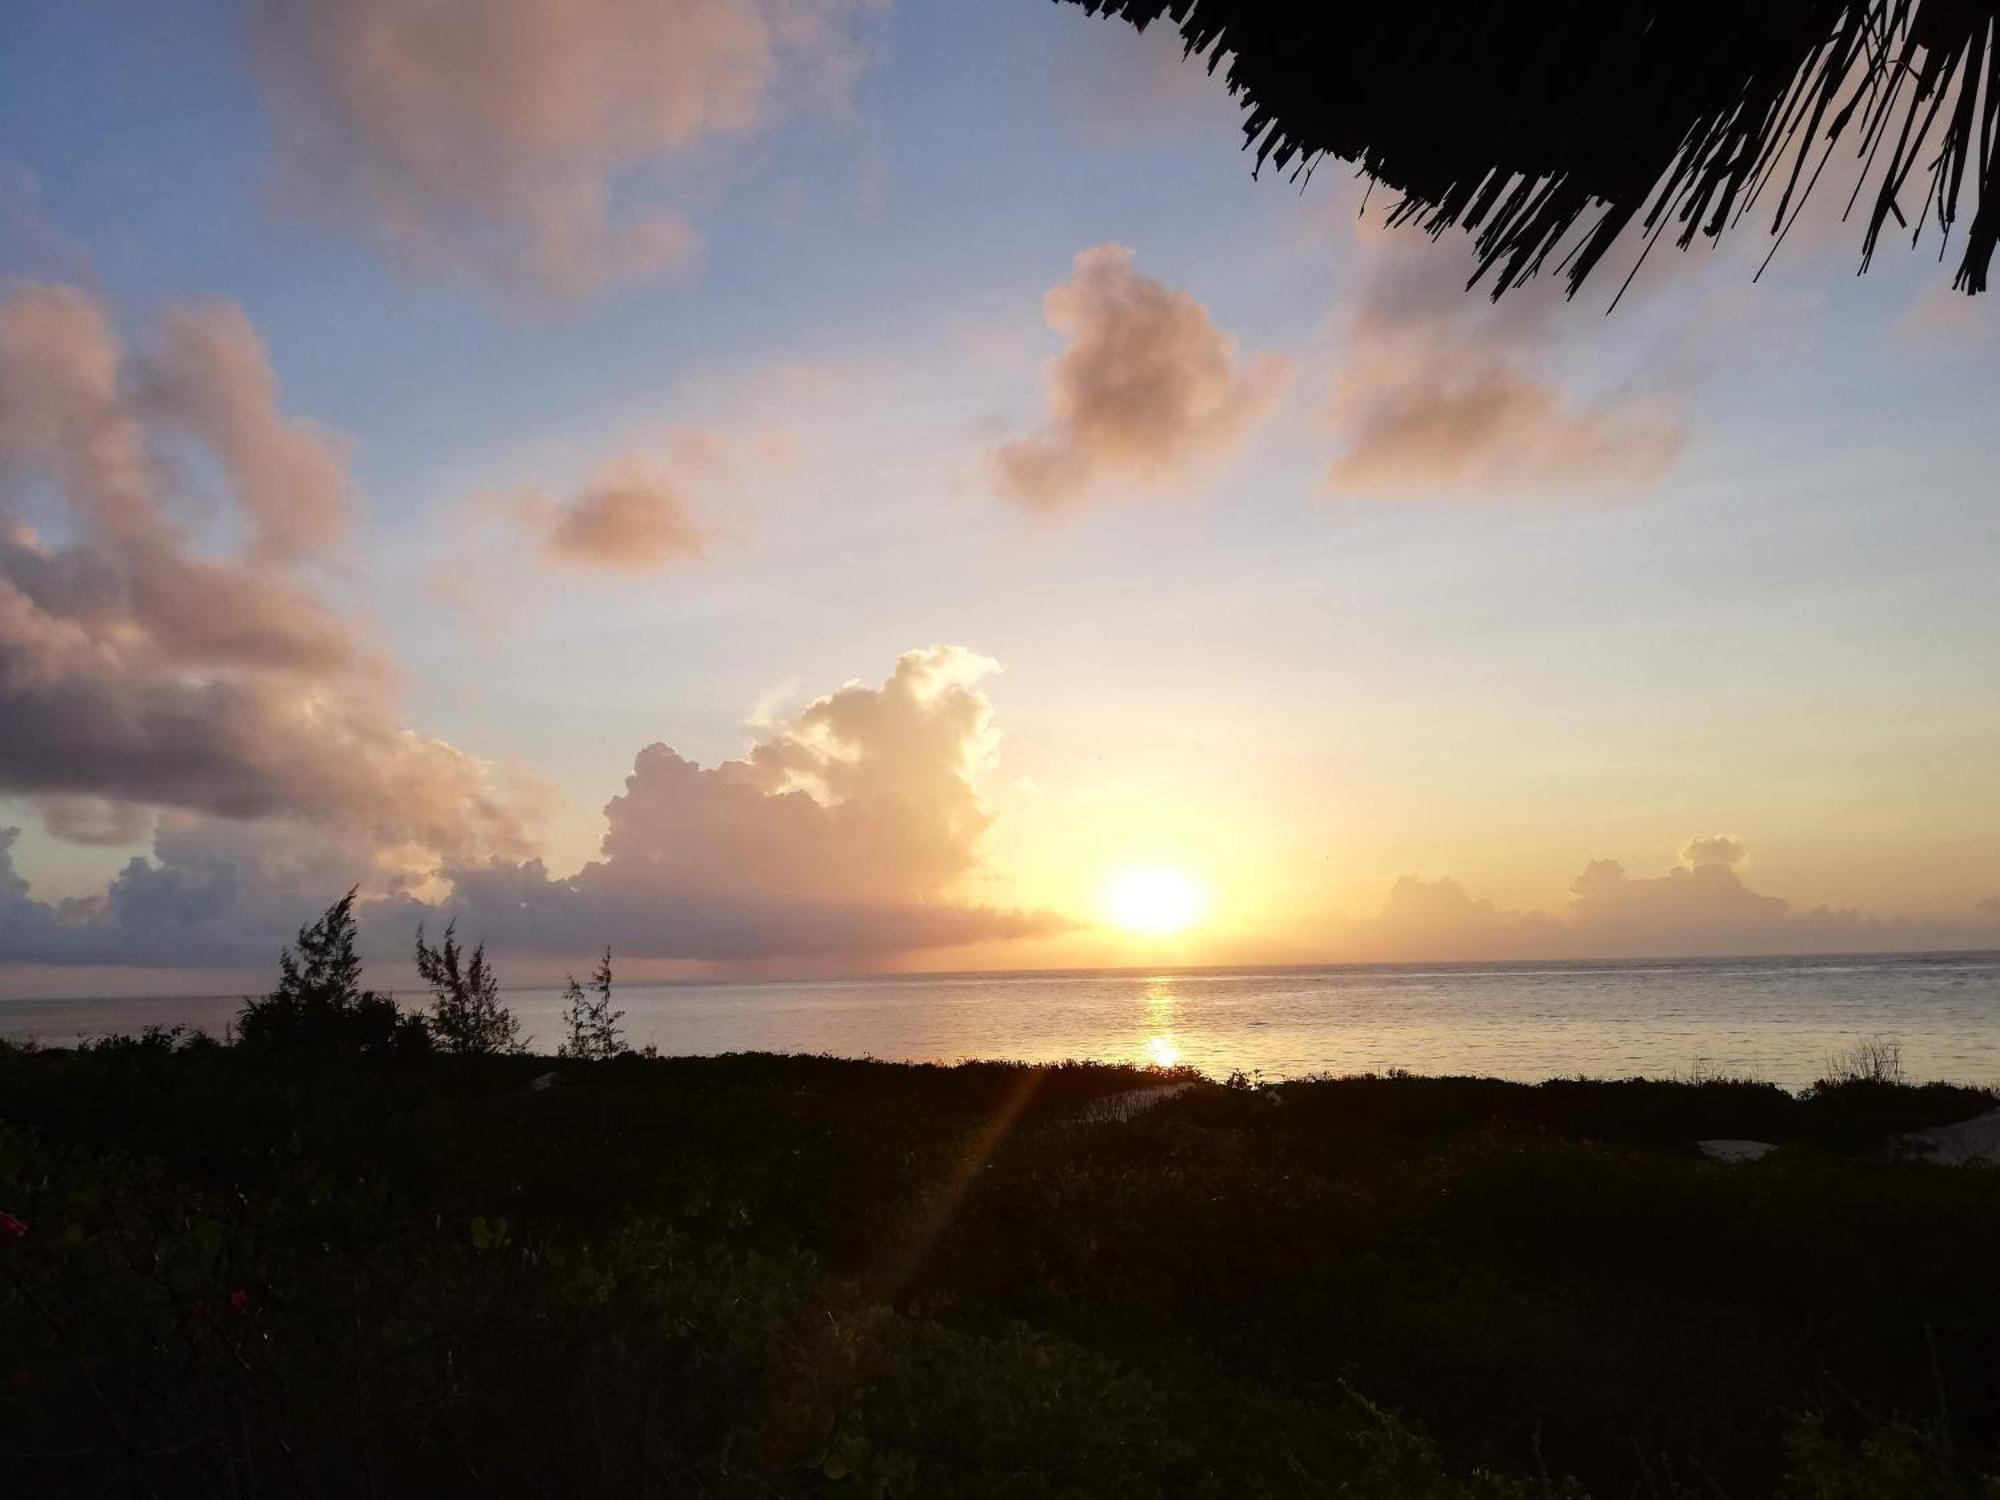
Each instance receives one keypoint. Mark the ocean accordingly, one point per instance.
(1778, 1019)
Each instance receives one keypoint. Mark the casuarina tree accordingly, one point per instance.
(590, 1025)
(466, 1014)
(319, 1003)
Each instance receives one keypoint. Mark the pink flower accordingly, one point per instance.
(11, 1228)
(20, 1380)
(239, 1302)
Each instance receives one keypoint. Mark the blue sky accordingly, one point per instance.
(1781, 627)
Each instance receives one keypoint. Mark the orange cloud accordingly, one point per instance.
(1147, 391)
(483, 137)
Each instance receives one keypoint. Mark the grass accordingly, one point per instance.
(250, 1272)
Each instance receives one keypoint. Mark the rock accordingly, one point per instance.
(543, 1081)
(1132, 1102)
(1969, 1142)
(1735, 1151)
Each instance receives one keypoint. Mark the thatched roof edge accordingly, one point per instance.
(1560, 126)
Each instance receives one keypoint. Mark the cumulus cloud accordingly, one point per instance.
(501, 138)
(1146, 392)
(1694, 908)
(210, 374)
(1721, 849)
(631, 517)
(846, 829)
(1700, 906)
(138, 667)
(1440, 391)
(211, 892)
(843, 830)
(637, 513)
(1437, 919)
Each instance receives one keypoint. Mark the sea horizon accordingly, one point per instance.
(1774, 1017)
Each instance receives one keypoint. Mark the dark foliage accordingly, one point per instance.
(590, 1025)
(319, 1004)
(1525, 124)
(756, 1275)
(466, 1014)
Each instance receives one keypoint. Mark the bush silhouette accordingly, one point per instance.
(319, 1004)
(466, 1014)
(590, 1025)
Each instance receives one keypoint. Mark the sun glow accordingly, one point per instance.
(1154, 900)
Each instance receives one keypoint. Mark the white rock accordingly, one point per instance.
(1734, 1151)
(1968, 1142)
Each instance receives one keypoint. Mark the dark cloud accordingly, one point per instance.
(94, 820)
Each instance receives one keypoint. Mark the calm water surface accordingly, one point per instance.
(1774, 1018)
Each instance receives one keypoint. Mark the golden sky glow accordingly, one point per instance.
(1084, 555)
(1154, 900)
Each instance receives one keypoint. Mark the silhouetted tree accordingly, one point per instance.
(466, 1014)
(590, 1022)
(319, 1003)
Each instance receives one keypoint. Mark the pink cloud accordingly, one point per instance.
(1439, 391)
(496, 138)
(142, 670)
(1147, 391)
(848, 828)
(631, 517)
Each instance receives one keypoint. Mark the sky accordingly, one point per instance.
(817, 486)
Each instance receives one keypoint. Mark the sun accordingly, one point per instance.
(1154, 900)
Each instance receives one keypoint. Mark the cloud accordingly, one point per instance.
(517, 141)
(1440, 391)
(139, 668)
(1722, 849)
(211, 375)
(1698, 907)
(844, 830)
(94, 820)
(1702, 907)
(631, 516)
(1438, 920)
(1147, 392)
(212, 892)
